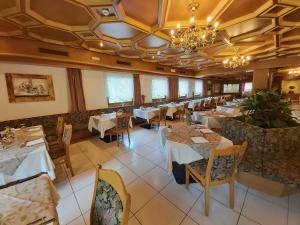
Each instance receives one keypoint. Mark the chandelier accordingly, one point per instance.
(236, 61)
(194, 37)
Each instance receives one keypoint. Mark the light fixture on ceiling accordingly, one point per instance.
(101, 44)
(105, 12)
(294, 72)
(194, 37)
(236, 61)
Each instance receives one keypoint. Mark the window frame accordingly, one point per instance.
(167, 89)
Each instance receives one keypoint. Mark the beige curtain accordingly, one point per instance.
(173, 88)
(76, 90)
(137, 89)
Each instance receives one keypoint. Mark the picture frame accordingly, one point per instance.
(29, 87)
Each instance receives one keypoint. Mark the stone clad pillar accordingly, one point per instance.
(261, 79)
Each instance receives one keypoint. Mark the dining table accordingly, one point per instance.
(26, 155)
(189, 143)
(103, 122)
(31, 202)
(172, 108)
(146, 113)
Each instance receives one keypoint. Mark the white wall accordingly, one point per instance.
(10, 111)
(94, 82)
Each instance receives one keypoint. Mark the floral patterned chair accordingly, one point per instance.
(219, 168)
(57, 138)
(111, 202)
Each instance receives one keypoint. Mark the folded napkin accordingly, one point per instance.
(34, 142)
(199, 140)
(206, 131)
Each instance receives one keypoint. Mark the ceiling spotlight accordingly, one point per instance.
(101, 44)
(153, 57)
(105, 12)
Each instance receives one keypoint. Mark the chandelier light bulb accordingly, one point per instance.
(192, 20)
(172, 32)
(178, 25)
(209, 19)
(216, 24)
(248, 57)
(101, 44)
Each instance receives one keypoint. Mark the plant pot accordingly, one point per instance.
(273, 154)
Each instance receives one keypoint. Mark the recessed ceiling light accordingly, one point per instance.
(105, 12)
(101, 44)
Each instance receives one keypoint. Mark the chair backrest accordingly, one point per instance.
(122, 121)
(163, 112)
(186, 105)
(111, 201)
(67, 136)
(59, 127)
(188, 117)
(222, 163)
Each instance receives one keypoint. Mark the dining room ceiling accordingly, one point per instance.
(263, 29)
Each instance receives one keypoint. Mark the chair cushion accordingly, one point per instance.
(222, 167)
(107, 208)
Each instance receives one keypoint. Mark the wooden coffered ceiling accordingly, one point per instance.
(263, 29)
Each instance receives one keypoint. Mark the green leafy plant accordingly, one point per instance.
(267, 109)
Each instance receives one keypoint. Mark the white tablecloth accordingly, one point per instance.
(103, 123)
(172, 108)
(193, 103)
(229, 110)
(296, 114)
(183, 153)
(146, 113)
(209, 120)
(21, 162)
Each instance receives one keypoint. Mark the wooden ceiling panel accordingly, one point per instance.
(148, 16)
(118, 30)
(152, 41)
(53, 34)
(140, 28)
(61, 11)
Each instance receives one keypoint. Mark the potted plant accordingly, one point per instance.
(273, 136)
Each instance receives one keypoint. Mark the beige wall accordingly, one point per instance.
(287, 83)
(10, 111)
(94, 82)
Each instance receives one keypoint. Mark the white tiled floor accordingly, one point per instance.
(156, 198)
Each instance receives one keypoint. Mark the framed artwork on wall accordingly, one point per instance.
(216, 88)
(29, 87)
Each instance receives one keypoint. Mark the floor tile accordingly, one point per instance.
(246, 221)
(188, 221)
(181, 197)
(78, 221)
(64, 188)
(218, 213)
(157, 178)
(82, 180)
(294, 217)
(112, 164)
(264, 211)
(128, 157)
(86, 217)
(294, 202)
(127, 175)
(144, 150)
(67, 210)
(221, 194)
(157, 157)
(282, 201)
(141, 166)
(141, 193)
(84, 198)
(133, 221)
(160, 211)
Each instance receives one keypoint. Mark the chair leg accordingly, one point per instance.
(128, 134)
(231, 193)
(110, 138)
(117, 139)
(187, 178)
(122, 135)
(69, 165)
(206, 199)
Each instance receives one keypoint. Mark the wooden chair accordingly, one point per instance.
(219, 169)
(57, 138)
(111, 201)
(200, 106)
(122, 124)
(162, 117)
(60, 153)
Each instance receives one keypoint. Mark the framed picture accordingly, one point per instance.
(29, 87)
(216, 88)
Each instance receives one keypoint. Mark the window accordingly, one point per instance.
(231, 88)
(183, 87)
(198, 89)
(160, 87)
(119, 88)
(248, 87)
